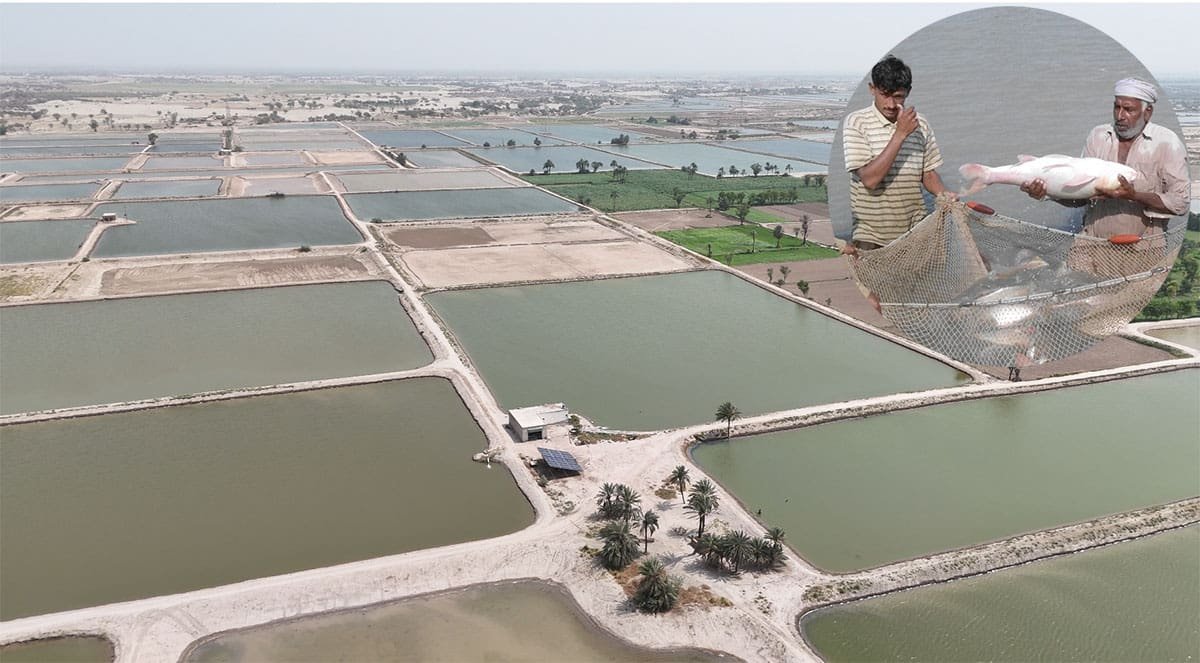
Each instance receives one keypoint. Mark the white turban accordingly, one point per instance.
(1135, 89)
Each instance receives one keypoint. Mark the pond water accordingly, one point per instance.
(522, 159)
(96, 150)
(274, 159)
(183, 163)
(47, 193)
(124, 506)
(1185, 335)
(791, 148)
(501, 620)
(500, 137)
(86, 164)
(873, 491)
(663, 351)
(181, 147)
(82, 353)
(1133, 601)
(412, 138)
(327, 144)
(33, 241)
(441, 159)
(224, 225)
(79, 649)
(709, 158)
(585, 133)
(420, 181)
(172, 189)
(460, 203)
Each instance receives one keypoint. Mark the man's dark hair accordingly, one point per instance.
(891, 74)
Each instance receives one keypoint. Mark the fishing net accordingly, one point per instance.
(991, 290)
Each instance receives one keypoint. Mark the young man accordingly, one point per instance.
(1162, 188)
(891, 154)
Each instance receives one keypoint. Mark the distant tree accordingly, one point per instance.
(721, 172)
(679, 477)
(708, 202)
(613, 164)
(614, 195)
(547, 167)
(487, 143)
(802, 286)
(649, 527)
(692, 168)
(620, 544)
(804, 221)
(582, 166)
(777, 233)
(597, 165)
(756, 168)
(152, 138)
(511, 143)
(770, 274)
(657, 591)
(537, 142)
(678, 194)
(728, 412)
(94, 125)
(733, 170)
(742, 211)
(783, 271)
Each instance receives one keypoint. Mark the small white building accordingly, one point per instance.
(529, 423)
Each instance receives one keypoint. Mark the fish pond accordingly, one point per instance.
(35, 241)
(498, 617)
(708, 158)
(411, 138)
(499, 137)
(658, 352)
(872, 491)
(409, 180)
(788, 148)
(86, 164)
(189, 226)
(122, 506)
(47, 193)
(84, 353)
(1188, 335)
(585, 133)
(80, 150)
(441, 159)
(169, 189)
(453, 204)
(75, 649)
(182, 163)
(1133, 601)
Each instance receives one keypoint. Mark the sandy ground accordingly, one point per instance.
(29, 212)
(261, 186)
(346, 158)
(672, 219)
(239, 274)
(537, 262)
(497, 232)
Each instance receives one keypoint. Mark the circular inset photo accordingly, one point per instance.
(1012, 185)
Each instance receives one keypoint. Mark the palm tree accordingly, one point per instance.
(649, 526)
(702, 501)
(705, 545)
(776, 535)
(727, 412)
(681, 478)
(627, 501)
(547, 167)
(620, 545)
(605, 499)
(658, 591)
(739, 546)
(613, 194)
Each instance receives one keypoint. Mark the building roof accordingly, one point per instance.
(539, 415)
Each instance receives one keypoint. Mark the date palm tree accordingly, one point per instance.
(739, 546)
(620, 545)
(727, 412)
(649, 527)
(681, 478)
(702, 501)
(657, 591)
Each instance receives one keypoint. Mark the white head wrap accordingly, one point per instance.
(1135, 89)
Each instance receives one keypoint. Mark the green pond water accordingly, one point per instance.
(411, 138)
(663, 351)
(867, 492)
(82, 353)
(123, 506)
(708, 158)
(585, 133)
(498, 137)
(48, 193)
(523, 159)
(33, 241)
(522, 621)
(1189, 335)
(82, 649)
(189, 226)
(1133, 601)
(86, 164)
(173, 189)
(416, 180)
(461, 203)
(441, 159)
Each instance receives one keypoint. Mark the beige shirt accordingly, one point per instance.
(1160, 160)
(883, 214)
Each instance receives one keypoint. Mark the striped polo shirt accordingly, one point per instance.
(884, 214)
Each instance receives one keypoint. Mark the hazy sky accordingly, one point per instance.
(668, 38)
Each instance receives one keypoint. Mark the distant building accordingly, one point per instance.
(529, 423)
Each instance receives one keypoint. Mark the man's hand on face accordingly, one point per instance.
(907, 122)
(1123, 190)
(1036, 189)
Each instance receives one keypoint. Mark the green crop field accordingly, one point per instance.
(652, 189)
(745, 244)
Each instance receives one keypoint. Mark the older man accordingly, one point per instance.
(891, 154)
(1162, 188)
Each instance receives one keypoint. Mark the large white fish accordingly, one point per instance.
(1065, 177)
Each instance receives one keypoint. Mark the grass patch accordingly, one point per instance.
(652, 189)
(736, 245)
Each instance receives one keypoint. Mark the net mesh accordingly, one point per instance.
(996, 291)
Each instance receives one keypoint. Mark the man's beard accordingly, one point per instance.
(1130, 132)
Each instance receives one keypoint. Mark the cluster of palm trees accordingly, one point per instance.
(658, 591)
(736, 550)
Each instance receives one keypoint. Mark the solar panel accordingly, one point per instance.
(560, 460)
